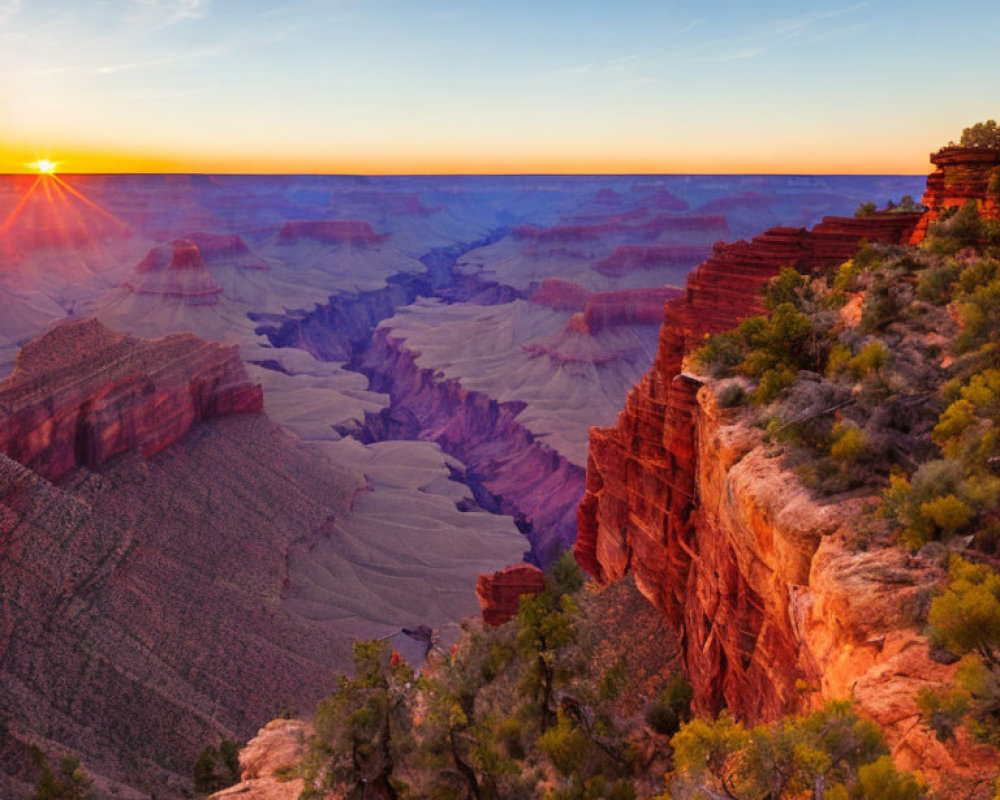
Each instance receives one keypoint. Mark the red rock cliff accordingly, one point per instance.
(500, 592)
(963, 174)
(640, 511)
(81, 394)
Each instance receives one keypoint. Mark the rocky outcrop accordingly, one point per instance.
(568, 233)
(335, 231)
(176, 270)
(509, 469)
(227, 249)
(636, 258)
(560, 295)
(278, 747)
(81, 394)
(710, 225)
(662, 200)
(962, 174)
(500, 592)
(643, 491)
(714, 225)
(766, 586)
(627, 307)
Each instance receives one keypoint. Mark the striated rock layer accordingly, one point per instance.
(81, 394)
(176, 270)
(963, 174)
(335, 231)
(641, 510)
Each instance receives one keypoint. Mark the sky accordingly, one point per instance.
(492, 86)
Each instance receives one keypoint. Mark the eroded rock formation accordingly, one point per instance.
(639, 513)
(228, 249)
(627, 307)
(81, 394)
(962, 174)
(636, 258)
(335, 231)
(176, 270)
(500, 592)
(278, 747)
(765, 584)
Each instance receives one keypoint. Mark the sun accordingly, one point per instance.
(43, 166)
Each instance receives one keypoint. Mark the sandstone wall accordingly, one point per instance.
(81, 394)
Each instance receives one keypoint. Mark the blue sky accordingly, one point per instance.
(388, 85)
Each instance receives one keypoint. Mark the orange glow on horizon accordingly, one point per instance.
(455, 162)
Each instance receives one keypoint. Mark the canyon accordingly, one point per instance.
(348, 402)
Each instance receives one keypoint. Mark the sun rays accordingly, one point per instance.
(56, 215)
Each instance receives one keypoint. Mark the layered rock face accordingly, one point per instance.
(336, 231)
(81, 394)
(500, 592)
(644, 508)
(176, 270)
(636, 258)
(627, 307)
(963, 174)
(227, 249)
(137, 490)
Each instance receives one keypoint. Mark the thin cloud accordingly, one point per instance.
(129, 66)
(176, 11)
(766, 38)
(8, 8)
(622, 66)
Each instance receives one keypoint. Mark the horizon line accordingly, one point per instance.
(27, 173)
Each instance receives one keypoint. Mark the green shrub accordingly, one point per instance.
(965, 619)
(788, 286)
(730, 395)
(882, 781)
(771, 384)
(994, 187)
(564, 745)
(868, 209)
(850, 445)
(982, 134)
(68, 782)
(665, 714)
(936, 284)
(833, 748)
(719, 354)
(948, 513)
(217, 768)
(964, 228)
(870, 359)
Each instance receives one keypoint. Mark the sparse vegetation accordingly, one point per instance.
(965, 619)
(517, 711)
(68, 781)
(982, 134)
(217, 767)
(832, 753)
